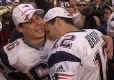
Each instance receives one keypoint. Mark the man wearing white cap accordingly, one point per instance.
(26, 52)
(79, 54)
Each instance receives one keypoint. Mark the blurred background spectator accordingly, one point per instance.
(107, 12)
(44, 4)
(98, 6)
(82, 5)
(5, 30)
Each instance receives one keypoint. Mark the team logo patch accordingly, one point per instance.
(12, 45)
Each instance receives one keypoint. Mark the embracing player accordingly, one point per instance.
(79, 54)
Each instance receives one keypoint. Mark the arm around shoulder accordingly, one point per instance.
(109, 42)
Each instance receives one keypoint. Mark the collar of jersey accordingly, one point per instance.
(38, 47)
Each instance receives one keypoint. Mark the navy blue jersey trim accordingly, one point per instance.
(61, 56)
(4, 59)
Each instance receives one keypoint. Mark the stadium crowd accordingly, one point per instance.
(56, 40)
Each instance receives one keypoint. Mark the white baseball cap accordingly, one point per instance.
(23, 13)
(57, 12)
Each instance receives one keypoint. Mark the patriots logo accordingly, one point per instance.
(26, 18)
(26, 6)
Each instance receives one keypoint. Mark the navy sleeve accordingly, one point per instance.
(4, 59)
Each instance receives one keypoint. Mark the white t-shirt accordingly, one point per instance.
(78, 55)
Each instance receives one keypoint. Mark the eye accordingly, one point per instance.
(37, 17)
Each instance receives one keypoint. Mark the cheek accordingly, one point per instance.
(34, 28)
(58, 32)
(28, 29)
(52, 31)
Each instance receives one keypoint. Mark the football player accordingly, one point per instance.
(24, 53)
(79, 54)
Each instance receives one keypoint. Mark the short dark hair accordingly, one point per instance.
(21, 24)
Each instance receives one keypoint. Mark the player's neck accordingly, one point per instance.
(34, 41)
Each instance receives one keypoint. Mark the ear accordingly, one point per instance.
(20, 29)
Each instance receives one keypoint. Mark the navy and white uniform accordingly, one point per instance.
(22, 56)
(78, 55)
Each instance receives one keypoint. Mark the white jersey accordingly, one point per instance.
(23, 57)
(78, 55)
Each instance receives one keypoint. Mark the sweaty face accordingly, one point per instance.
(34, 29)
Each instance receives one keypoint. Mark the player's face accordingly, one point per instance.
(34, 29)
(52, 32)
(57, 29)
